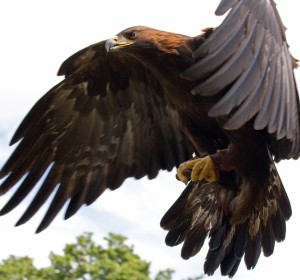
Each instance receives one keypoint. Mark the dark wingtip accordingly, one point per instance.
(16, 138)
(71, 211)
(64, 67)
(60, 72)
(6, 209)
(41, 227)
(19, 223)
(23, 219)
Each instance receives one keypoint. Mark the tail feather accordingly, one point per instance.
(253, 250)
(234, 269)
(177, 235)
(241, 240)
(217, 238)
(229, 263)
(193, 243)
(279, 227)
(268, 239)
(203, 211)
(223, 255)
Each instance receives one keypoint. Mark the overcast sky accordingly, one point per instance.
(36, 36)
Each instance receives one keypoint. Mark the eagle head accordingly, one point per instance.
(125, 38)
(145, 40)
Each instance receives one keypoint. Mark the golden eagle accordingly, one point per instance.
(221, 106)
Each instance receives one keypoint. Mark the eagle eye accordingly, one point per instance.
(131, 35)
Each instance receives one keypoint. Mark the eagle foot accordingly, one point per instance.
(201, 169)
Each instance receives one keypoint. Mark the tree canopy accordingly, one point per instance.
(86, 260)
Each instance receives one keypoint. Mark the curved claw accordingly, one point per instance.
(202, 169)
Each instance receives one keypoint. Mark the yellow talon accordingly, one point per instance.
(202, 169)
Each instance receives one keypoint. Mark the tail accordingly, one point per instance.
(202, 211)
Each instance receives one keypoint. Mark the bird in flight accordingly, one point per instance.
(222, 107)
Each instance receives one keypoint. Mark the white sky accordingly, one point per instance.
(36, 36)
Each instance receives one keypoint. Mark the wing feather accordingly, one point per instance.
(238, 62)
(254, 79)
(108, 120)
(219, 55)
(48, 186)
(217, 39)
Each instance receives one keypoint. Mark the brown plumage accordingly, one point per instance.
(203, 210)
(148, 100)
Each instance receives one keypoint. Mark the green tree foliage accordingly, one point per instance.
(22, 268)
(85, 260)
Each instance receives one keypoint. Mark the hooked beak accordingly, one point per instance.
(115, 44)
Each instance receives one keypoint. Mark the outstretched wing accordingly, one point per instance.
(106, 121)
(247, 59)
